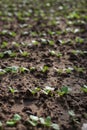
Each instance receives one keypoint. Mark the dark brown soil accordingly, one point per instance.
(40, 104)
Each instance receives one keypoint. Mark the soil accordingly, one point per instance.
(40, 104)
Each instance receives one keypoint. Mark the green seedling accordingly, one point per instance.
(25, 33)
(59, 55)
(16, 44)
(23, 69)
(65, 70)
(59, 32)
(13, 54)
(79, 69)
(13, 34)
(24, 44)
(44, 69)
(33, 33)
(48, 90)
(24, 53)
(7, 32)
(35, 91)
(84, 88)
(14, 121)
(59, 71)
(23, 25)
(35, 120)
(4, 45)
(63, 42)
(1, 54)
(44, 41)
(2, 72)
(53, 53)
(12, 90)
(48, 123)
(69, 70)
(79, 40)
(76, 52)
(9, 53)
(35, 42)
(51, 43)
(12, 69)
(32, 69)
(51, 32)
(73, 116)
(74, 15)
(63, 91)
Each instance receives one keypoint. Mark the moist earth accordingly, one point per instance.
(42, 27)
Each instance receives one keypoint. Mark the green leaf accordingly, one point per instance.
(33, 123)
(8, 52)
(84, 88)
(48, 121)
(71, 113)
(12, 69)
(34, 118)
(11, 123)
(64, 89)
(51, 42)
(17, 117)
(2, 71)
(55, 126)
(1, 54)
(42, 120)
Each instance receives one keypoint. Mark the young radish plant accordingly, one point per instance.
(63, 91)
(35, 91)
(35, 120)
(12, 90)
(12, 69)
(68, 70)
(53, 53)
(24, 53)
(84, 88)
(14, 120)
(44, 69)
(73, 117)
(2, 71)
(48, 90)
